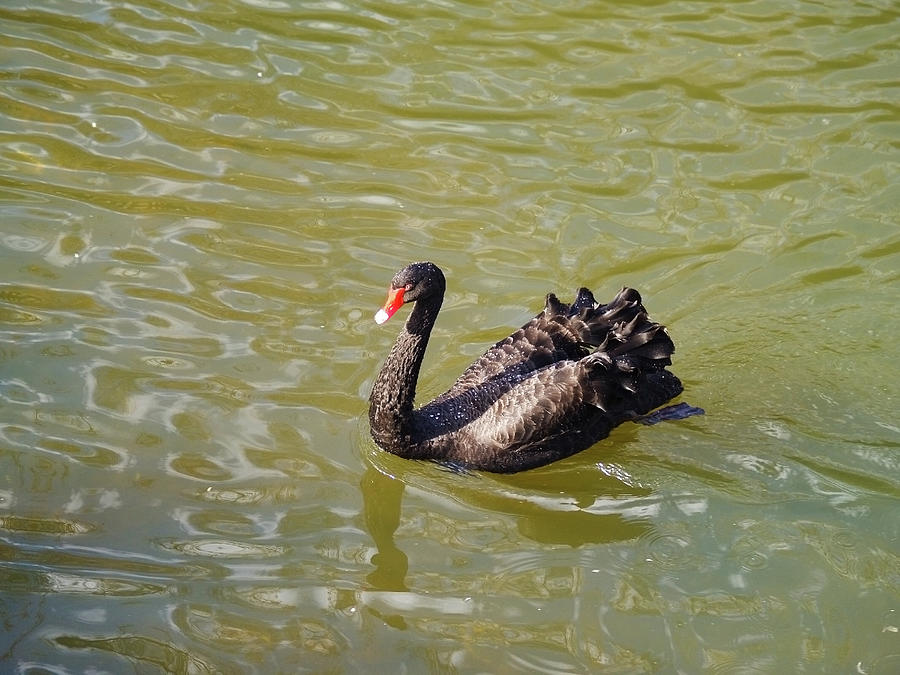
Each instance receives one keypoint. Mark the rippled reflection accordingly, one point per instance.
(202, 206)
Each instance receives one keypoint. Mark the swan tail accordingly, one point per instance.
(626, 369)
(627, 387)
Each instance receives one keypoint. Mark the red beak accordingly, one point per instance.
(391, 305)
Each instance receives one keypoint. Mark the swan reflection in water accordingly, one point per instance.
(544, 505)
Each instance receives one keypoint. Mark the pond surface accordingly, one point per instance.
(203, 204)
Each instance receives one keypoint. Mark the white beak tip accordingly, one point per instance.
(381, 316)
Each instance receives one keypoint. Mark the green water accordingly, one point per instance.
(203, 204)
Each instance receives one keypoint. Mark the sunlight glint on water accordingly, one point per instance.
(203, 206)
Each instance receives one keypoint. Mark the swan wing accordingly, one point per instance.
(563, 332)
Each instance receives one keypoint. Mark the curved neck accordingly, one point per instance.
(394, 391)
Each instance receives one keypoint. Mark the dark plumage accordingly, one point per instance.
(554, 387)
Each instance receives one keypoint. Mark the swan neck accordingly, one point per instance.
(394, 391)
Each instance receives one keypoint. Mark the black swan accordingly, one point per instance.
(554, 387)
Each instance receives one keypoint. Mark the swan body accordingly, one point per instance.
(554, 387)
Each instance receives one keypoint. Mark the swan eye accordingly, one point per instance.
(407, 288)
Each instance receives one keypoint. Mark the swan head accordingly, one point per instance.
(414, 282)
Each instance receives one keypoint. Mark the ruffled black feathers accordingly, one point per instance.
(553, 388)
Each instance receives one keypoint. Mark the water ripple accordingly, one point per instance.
(203, 204)
(222, 548)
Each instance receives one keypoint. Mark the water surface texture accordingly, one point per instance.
(203, 203)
